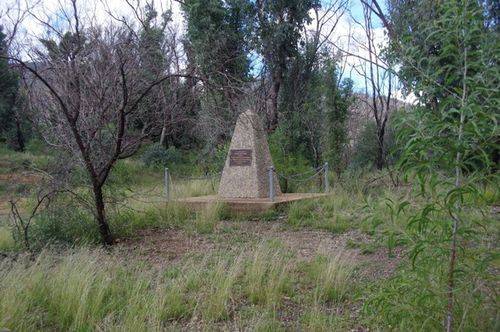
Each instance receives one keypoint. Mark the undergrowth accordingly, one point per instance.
(90, 289)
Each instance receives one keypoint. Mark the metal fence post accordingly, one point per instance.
(327, 185)
(271, 183)
(167, 184)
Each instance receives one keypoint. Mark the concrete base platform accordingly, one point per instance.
(248, 205)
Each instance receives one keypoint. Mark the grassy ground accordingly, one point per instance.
(338, 263)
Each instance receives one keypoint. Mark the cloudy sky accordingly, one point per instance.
(54, 11)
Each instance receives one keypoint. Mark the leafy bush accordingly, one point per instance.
(64, 223)
(365, 149)
(157, 155)
(288, 163)
(366, 146)
(422, 306)
(126, 173)
(36, 146)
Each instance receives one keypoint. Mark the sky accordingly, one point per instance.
(51, 9)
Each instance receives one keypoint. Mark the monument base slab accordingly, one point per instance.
(247, 205)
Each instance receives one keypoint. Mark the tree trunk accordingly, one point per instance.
(273, 113)
(19, 136)
(380, 162)
(106, 237)
(163, 135)
(455, 219)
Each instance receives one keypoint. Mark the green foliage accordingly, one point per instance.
(11, 124)
(339, 97)
(285, 161)
(365, 150)
(320, 214)
(314, 109)
(157, 156)
(277, 38)
(36, 147)
(250, 285)
(83, 288)
(447, 55)
(422, 306)
(212, 159)
(7, 242)
(218, 33)
(65, 222)
(366, 147)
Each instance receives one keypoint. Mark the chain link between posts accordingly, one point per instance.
(169, 181)
(293, 177)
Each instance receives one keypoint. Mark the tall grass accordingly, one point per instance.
(268, 276)
(333, 274)
(208, 217)
(336, 213)
(194, 188)
(6, 240)
(89, 289)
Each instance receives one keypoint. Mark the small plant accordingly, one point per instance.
(64, 222)
(21, 223)
(267, 276)
(220, 282)
(317, 320)
(333, 278)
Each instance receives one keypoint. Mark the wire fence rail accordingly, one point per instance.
(296, 178)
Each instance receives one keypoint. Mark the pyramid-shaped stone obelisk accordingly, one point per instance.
(246, 172)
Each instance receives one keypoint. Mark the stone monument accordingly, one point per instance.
(244, 185)
(246, 172)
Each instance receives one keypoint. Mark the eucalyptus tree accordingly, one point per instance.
(309, 85)
(280, 25)
(217, 33)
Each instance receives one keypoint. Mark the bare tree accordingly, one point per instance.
(161, 53)
(379, 81)
(88, 96)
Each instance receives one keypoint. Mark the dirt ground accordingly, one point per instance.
(160, 247)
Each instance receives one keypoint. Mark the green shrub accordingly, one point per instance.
(156, 155)
(288, 163)
(366, 146)
(36, 146)
(126, 173)
(64, 223)
(422, 306)
(365, 149)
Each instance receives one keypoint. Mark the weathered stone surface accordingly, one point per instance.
(245, 173)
